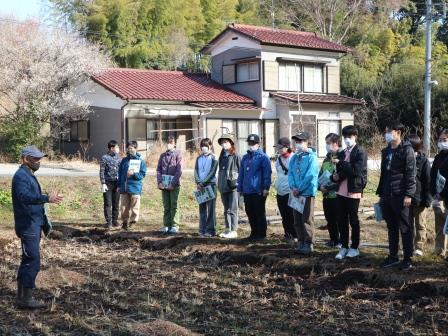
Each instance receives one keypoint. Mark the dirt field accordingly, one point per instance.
(144, 283)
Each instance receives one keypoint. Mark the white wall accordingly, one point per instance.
(97, 95)
(225, 42)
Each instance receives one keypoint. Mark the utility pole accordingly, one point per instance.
(273, 14)
(428, 82)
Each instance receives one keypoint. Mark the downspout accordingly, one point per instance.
(123, 126)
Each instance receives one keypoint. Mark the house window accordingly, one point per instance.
(248, 72)
(246, 127)
(169, 126)
(79, 130)
(289, 76)
(136, 129)
(313, 78)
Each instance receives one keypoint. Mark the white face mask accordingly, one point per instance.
(170, 146)
(329, 148)
(299, 147)
(226, 145)
(204, 150)
(442, 145)
(253, 148)
(116, 150)
(388, 137)
(349, 142)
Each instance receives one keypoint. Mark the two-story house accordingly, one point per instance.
(272, 82)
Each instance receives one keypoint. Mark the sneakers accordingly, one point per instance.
(418, 253)
(206, 235)
(173, 230)
(305, 248)
(352, 253)
(229, 235)
(165, 229)
(390, 262)
(342, 253)
(405, 265)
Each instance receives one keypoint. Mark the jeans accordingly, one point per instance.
(111, 202)
(255, 205)
(348, 217)
(304, 222)
(30, 264)
(171, 215)
(331, 206)
(207, 216)
(230, 203)
(287, 215)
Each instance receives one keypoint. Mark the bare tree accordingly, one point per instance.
(40, 69)
(177, 47)
(332, 19)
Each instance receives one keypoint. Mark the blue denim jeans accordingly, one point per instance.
(30, 265)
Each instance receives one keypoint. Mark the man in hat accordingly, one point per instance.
(302, 178)
(29, 216)
(254, 181)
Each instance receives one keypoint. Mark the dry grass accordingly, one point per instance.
(144, 283)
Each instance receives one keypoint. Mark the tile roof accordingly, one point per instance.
(319, 98)
(283, 37)
(227, 106)
(167, 86)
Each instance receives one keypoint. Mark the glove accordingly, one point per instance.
(104, 188)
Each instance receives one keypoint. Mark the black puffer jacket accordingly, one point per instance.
(355, 171)
(423, 179)
(440, 164)
(402, 171)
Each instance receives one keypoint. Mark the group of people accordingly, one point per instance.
(408, 185)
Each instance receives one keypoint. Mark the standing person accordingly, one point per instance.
(330, 188)
(351, 174)
(110, 162)
(282, 187)
(169, 171)
(302, 179)
(439, 170)
(205, 175)
(396, 189)
(131, 172)
(229, 166)
(422, 198)
(29, 218)
(254, 181)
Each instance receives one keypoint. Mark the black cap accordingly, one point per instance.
(283, 142)
(301, 136)
(253, 138)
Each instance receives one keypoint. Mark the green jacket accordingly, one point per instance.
(327, 165)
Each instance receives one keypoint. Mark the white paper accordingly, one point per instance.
(445, 227)
(166, 180)
(324, 179)
(297, 203)
(134, 166)
(205, 195)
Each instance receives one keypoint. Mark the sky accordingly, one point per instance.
(21, 9)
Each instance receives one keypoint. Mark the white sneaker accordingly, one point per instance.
(339, 246)
(342, 254)
(223, 234)
(164, 229)
(352, 253)
(418, 252)
(229, 235)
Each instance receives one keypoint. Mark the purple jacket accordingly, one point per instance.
(170, 163)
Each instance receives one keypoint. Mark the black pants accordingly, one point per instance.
(348, 217)
(256, 213)
(287, 215)
(331, 206)
(111, 202)
(396, 216)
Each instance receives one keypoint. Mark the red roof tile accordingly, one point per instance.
(166, 85)
(283, 37)
(319, 98)
(227, 106)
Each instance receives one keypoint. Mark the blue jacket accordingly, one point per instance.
(303, 173)
(132, 184)
(255, 173)
(28, 202)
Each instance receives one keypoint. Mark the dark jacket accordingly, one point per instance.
(423, 179)
(170, 163)
(402, 172)
(255, 173)
(132, 184)
(229, 167)
(440, 164)
(355, 171)
(109, 165)
(28, 202)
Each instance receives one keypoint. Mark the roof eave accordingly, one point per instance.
(307, 48)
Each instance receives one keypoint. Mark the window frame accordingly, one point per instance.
(238, 65)
(301, 83)
(77, 139)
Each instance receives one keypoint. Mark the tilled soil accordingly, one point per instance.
(144, 283)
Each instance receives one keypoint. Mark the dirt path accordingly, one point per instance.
(143, 283)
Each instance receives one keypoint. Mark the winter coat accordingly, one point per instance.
(109, 165)
(255, 173)
(281, 182)
(229, 169)
(205, 170)
(422, 195)
(440, 164)
(303, 173)
(355, 170)
(132, 184)
(328, 166)
(170, 163)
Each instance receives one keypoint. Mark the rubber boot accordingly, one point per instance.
(27, 301)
